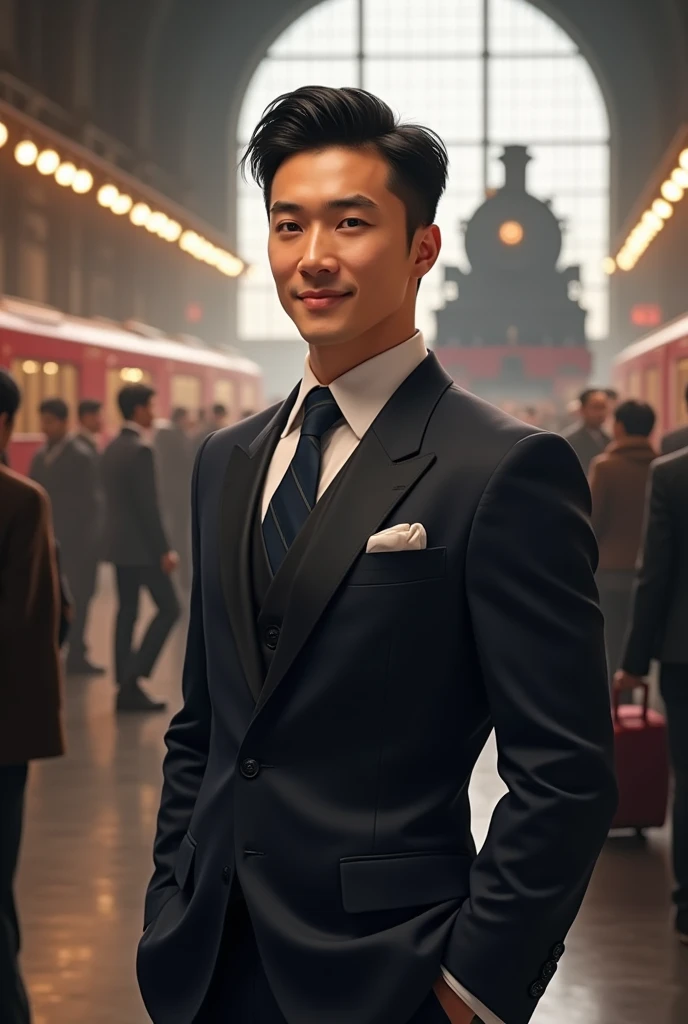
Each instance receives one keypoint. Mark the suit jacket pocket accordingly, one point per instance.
(183, 868)
(393, 881)
(388, 567)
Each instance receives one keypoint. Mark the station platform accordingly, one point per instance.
(86, 860)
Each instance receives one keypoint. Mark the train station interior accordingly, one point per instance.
(134, 254)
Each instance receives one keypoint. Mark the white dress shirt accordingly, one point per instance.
(360, 393)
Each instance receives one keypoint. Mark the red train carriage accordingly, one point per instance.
(54, 355)
(656, 370)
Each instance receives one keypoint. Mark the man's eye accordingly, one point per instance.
(353, 222)
(289, 226)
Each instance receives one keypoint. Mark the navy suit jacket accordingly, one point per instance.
(336, 784)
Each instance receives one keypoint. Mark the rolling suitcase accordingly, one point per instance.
(642, 765)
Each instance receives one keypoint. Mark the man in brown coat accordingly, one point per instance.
(618, 482)
(30, 718)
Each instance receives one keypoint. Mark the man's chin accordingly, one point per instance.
(326, 334)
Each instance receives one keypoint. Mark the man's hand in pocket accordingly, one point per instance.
(454, 1007)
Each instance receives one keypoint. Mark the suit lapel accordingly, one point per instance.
(381, 472)
(241, 497)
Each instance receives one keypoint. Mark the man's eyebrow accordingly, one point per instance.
(345, 203)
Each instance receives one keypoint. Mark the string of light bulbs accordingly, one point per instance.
(653, 219)
(49, 163)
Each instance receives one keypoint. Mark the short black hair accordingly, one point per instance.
(316, 117)
(219, 410)
(686, 395)
(179, 414)
(88, 406)
(586, 395)
(637, 418)
(56, 407)
(612, 394)
(131, 397)
(10, 395)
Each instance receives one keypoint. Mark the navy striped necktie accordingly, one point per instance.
(297, 493)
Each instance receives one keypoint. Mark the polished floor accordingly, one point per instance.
(87, 858)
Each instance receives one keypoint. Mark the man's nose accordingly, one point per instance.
(318, 255)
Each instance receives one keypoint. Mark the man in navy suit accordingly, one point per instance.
(385, 569)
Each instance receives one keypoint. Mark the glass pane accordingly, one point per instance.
(329, 28)
(440, 95)
(465, 171)
(274, 77)
(429, 27)
(558, 169)
(556, 98)
(516, 26)
(261, 318)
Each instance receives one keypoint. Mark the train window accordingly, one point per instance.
(248, 397)
(185, 392)
(114, 382)
(224, 393)
(680, 409)
(634, 387)
(40, 380)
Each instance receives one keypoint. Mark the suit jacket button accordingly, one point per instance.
(226, 875)
(271, 637)
(249, 768)
(537, 989)
(558, 951)
(549, 970)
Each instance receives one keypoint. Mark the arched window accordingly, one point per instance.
(482, 73)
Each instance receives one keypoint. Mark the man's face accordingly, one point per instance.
(145, 414)
(93, 422)
(596, 410)
(338, 244)
(53, 428)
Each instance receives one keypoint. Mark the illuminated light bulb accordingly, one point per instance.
(65, 174)
(122, 204)
(48, 161)
(230, 265)
(653, 221)
(83, 182)
(189, 242)
(683, 159)
(155, 222)
(680, 177)
(107, 195)
(30, 366)
(670, 190)
(4, 134)
(26, 153)
(609, 265)
(172, 231)
(140, 214)
(662, 208)
(51, 369)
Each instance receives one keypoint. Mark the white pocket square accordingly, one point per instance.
(403, 537)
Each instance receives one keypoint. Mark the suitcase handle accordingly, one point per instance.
(616, 697)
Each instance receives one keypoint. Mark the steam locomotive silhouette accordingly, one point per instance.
(516, 329)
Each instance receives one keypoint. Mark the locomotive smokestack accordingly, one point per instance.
(515, 160)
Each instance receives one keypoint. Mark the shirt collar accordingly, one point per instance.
(131, 425)
(362, 392)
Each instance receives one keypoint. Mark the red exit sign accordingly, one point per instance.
(648, 315)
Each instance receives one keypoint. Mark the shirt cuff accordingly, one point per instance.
(478, 1008)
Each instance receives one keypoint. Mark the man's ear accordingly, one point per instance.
(427, 247)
